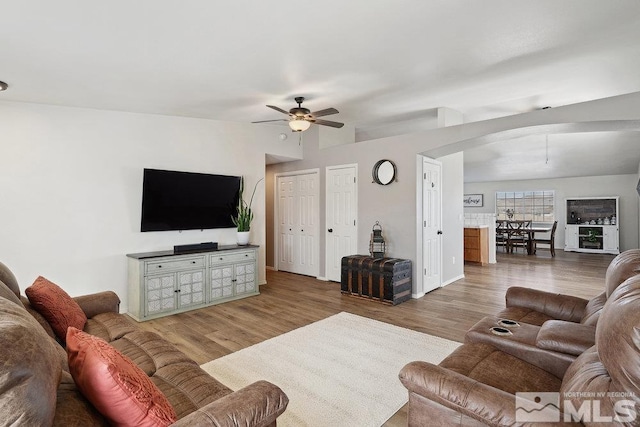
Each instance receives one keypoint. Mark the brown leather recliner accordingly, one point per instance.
(554, 344)
(536, 307)
(477, 384)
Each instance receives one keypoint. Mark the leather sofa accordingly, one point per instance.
(535, 307)
(570, 326)
(36, 387)
(477, 383)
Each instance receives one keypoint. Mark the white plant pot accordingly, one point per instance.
(243, 238)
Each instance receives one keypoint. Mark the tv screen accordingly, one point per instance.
(173, 200)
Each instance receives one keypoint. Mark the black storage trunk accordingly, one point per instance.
(384, 279)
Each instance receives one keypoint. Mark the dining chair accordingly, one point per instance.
(502, 234)
(550, 241)
(517, 234)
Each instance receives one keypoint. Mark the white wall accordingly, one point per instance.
(70, 182)
(71, 186)
(595, 186)
(394, 205)
(452, 217)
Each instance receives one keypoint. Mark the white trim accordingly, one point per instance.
(299, 172)
(418, 282)
(420, 160)
(450, 281)
(276, 227)
(268, 267)
(324, 279)
(356, 217)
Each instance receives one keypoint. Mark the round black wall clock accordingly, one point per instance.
(384, 172)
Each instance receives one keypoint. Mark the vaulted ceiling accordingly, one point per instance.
(380, 62)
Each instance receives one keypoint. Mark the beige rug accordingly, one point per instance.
(339, 371)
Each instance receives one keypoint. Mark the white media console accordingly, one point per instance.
(165, 282)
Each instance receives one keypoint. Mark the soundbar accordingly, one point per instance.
(195, 247)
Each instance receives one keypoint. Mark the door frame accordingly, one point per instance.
(326, 236)
(418, 290)
(276, 215)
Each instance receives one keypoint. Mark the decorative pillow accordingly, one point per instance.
(60, 310)
(118, 389)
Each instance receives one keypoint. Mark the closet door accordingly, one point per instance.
(286, 223)
(298, 223)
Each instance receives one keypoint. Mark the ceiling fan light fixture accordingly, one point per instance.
(3, 86)
(299, 125)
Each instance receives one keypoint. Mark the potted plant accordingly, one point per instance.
(243, 218)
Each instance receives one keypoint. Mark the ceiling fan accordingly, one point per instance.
(300, 118)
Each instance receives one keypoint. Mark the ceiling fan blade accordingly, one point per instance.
(277, 120)
(278, 109)
(325, 112)
(328, 123)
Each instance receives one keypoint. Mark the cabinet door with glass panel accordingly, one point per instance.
(232, 274)
(171, 284)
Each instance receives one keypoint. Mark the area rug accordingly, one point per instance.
(339, 371)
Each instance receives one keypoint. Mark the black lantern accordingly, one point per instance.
(377, 246)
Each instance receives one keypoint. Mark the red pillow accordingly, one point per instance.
(117, 387)
(60, 310)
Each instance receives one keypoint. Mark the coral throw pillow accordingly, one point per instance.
(60, 310)
(117, 387)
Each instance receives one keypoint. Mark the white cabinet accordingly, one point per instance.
(570, 237)
(168, 292)
(232, 274)
(592, 225)
(610, 236)
(162, 283)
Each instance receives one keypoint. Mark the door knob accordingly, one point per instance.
(439, 231)
(330, 230)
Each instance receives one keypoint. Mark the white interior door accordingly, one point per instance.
(286, 222)
(298, 223)
(341, 214)
(307, 222)
(432, 224)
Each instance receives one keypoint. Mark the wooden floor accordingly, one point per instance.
(290, 301)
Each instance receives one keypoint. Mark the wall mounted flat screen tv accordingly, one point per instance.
(173, 200)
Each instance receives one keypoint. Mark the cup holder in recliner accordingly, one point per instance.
(507, 323)
(497, 330)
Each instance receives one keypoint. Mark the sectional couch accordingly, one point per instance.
(37, 386)
(582, 355)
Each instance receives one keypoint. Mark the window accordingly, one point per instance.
(537, 206)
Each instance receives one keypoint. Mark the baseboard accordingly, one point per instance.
(455, 279)
(268, 267)
(419, 295)
(324, 279)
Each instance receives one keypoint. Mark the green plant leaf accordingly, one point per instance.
(244, 216)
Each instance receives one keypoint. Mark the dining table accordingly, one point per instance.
(508, 226)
